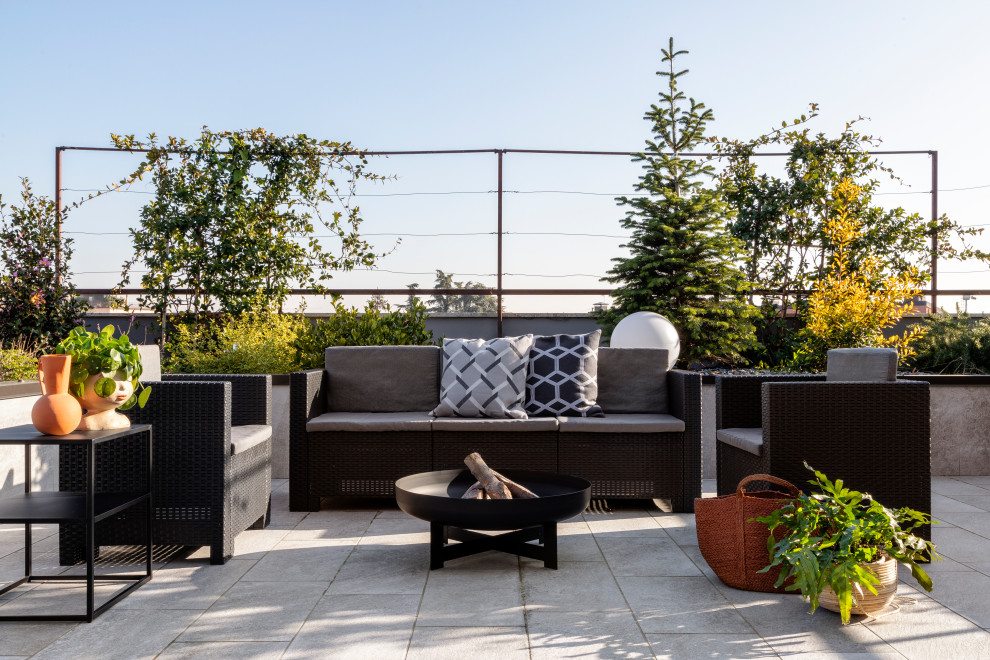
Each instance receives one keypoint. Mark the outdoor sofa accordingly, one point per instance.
(364, 421)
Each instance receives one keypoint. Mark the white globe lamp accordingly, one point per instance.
(647, 330)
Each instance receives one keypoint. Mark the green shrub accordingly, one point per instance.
(372, 327)
(953, 345)
(18, 361)
(245, 344)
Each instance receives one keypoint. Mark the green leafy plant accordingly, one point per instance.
(101, 353)
(830, 535)
(237, 215)
(372, 327)
(245, 344)
(782, 219)
(953, 345)
(854, 302)
(18, 361)
(37, 300)
(682, 261)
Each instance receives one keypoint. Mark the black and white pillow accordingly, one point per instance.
(484, 378)
(563, 376)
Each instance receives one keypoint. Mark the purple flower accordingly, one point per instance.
(45, 262)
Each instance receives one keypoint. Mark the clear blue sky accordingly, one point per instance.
(461, 75)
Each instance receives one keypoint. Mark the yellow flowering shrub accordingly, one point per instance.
(855, 302)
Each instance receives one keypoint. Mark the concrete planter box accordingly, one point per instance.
(16, 400)
(960, 425)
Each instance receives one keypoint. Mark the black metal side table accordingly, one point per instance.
(87, 507)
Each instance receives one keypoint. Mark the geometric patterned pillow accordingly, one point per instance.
(484, 378)
(563, 376)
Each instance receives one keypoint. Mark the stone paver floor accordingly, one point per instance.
(355, 583)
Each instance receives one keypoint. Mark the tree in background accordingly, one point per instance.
(783, 221)
(234, 219)
(38, 303)
(854, 301)
(682, 262)
(458, 303)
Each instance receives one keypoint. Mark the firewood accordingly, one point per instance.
(475, 492)
(518, 490)
(495, 489)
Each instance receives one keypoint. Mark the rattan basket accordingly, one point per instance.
(865, 602)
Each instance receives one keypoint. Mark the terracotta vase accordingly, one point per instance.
(101, 411)
(57, 412)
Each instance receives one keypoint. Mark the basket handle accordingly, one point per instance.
(767, 477)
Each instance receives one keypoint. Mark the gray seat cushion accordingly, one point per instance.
(874, 365)
(247, 436)
(622, 423)
(750, 440)
(370, 422)
(382, 378)
(632, 380)
(497, 425)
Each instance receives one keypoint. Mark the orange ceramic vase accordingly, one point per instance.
(57, 412)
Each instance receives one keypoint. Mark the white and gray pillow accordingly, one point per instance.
(482, 378)
(563, 376)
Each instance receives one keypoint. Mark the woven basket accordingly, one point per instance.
(734, 547)
(863, 601)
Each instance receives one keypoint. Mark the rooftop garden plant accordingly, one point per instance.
(831, 535)
(953, 345)
(351, 327)
(18, 361)
(242, 344)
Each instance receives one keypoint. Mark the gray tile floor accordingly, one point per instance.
(631, 584)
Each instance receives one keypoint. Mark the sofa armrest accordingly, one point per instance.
(684, 398)
(739, 398)
(307, 399)
(251, 394)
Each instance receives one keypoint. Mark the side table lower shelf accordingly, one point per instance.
(83, 508)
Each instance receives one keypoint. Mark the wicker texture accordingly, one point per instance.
(526, 450)
(735, 545)
(876, 437)
(202, 494)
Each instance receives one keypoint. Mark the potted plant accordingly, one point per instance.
(841, 548)
(104, 376)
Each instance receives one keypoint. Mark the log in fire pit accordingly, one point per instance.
(438, 497)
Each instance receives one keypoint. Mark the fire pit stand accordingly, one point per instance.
(436, 498)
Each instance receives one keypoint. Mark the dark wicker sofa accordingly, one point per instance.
(212, 464)
(363, 422)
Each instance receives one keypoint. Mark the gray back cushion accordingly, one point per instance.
(632, 380)
(151, 362)
(382, 378)
(862, 364)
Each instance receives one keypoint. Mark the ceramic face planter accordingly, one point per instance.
(101, 406)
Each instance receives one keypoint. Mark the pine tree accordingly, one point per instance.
(683, 260)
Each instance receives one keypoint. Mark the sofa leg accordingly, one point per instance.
(263, 521)
(217, 555)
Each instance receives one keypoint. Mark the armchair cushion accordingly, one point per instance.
(370, 422)
(484, 378)
(633, 380)
(382, 378)
(750, 440)
(247, 436)
(862, 364)
(622, 423)
(503, 425)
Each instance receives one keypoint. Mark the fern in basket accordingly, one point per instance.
(831, 537)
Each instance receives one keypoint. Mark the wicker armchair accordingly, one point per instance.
(211, 464)
(875, 436)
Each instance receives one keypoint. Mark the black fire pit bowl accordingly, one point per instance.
(436, 498)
